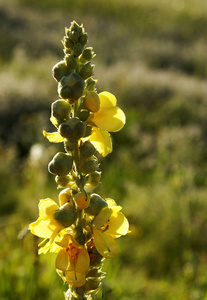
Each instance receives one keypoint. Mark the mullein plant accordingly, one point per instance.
(82, 229)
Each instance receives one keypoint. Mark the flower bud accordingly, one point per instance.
(96, 205)
(82, 200)
(88, 131)
(94, 178)
(87, 54)
(60, 70)
(92, 101)
(65, 196)
(95, 258)
(86, 70)
(61, 164)
(74, 36)
(70, 61)
(83, 39)
(71, 86)
(73, 129)
(83, 115)
(67, 42)
(90, 165)
(66, 215)
(90, 84)
(62, 181)
(91, 285)
(87, 150)
(70, 145)
(61, 109)
(77, 49)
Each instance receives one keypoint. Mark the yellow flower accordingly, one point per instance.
(109, 224)
(109, 118)
(73, 261)
(46, 226)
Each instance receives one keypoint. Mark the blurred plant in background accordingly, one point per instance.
(157, 69)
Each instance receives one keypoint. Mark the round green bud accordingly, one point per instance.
(87, 150)
(87, 70)
(74, 36)
(91, 84)
(71, 86)
(72, 129)
(60, 70)
(70, 145)
(62, 181)
(61, 164)
(87, 54)
(88, 131)
(83, 39)
(61, 109)
(94, 178)
(70, 61)
(91, 285)
(96, 205)
(66, 215)
(68, 43)
(83, 115)
(92, 101)
(90, 165)
(77, 49)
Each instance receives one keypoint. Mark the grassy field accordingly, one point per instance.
(152, 55)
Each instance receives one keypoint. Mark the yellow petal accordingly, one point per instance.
(83, 262)
(53, 137)
(110, 202)
(63, 261)
(47, 207)
(53, 120)
(110, 119)
(118, 225)
(74, 278)
(102, 217)
(107, 100)
(105, 244)
(101, 140)
(43, 228)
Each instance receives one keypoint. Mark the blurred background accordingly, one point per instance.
(152, 55)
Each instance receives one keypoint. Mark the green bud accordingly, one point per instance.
(87, 54)
(95, 258)
(87, 150)
(88, 131)
(83, 39)
(62, 181)
(77, 49)
(66, 215)
(91, 285)
(91, 84)
(61, 164)
(61, 109)
(70, 145)
(74, 26)
(73, 129)
(60, 70)
(96, 205)
(94, 178)
(74, 36)
(70, 61)
(71, 86)
(83, 115)
(90, 165)
(67, 43)
(86, 70)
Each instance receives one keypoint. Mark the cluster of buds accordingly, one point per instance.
(82, 229)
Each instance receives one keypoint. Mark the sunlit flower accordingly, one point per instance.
(109, 118)
(73, 260)
(46, 226)
(109, 224)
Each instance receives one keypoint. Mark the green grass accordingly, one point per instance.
(152, 56)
